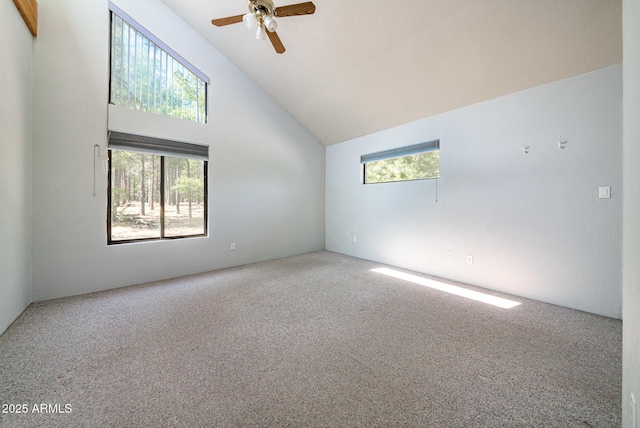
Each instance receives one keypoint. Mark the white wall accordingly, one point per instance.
(266, 172)
(533, 222)
(631, 289)
(16, 46)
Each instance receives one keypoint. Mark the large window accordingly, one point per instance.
(157, 189)
(148, 75)
(415, 162)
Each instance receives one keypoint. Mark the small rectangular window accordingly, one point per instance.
(157, 189)
(147, 75)
(415, 162)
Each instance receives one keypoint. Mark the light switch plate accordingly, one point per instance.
(604, 192)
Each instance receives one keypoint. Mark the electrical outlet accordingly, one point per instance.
(469, 259)
(450, 255)
(632, 412)
(233, 246)
(355, 239)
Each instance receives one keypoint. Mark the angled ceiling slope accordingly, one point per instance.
(358, 67)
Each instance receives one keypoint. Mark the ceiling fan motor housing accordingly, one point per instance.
(261, 7)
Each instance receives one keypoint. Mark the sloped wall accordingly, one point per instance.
(266, 172)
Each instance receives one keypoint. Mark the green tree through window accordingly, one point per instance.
(144, 76)
(155, 196)
(417, 162)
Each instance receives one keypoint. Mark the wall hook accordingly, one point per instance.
(561, 143)
(525, 148)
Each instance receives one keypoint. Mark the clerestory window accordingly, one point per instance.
(147, 75)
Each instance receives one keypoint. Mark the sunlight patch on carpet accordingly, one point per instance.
(448, 288)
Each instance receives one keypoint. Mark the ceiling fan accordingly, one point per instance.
(261, 15)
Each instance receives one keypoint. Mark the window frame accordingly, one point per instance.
(396, 153)
(164, 148)
(116, 11)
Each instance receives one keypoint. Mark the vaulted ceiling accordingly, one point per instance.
(360, 66)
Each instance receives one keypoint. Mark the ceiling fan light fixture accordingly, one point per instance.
(261, 34)
(270, 23)
(250, 20)
(262, 14)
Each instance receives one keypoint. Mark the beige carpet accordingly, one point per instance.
(312, 340)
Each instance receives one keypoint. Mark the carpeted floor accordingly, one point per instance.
(311, 340)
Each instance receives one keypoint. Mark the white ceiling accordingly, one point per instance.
(361, 66)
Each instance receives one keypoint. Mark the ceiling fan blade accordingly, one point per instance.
(275, 41)
(306, 8)
(220, 22)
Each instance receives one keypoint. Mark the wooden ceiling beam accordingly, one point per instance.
(29, 11)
